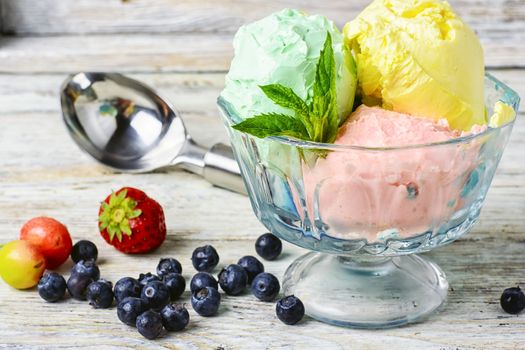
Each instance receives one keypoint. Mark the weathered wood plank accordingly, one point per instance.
(166, 53)
(477, 270)
(189, 92)
(127, 53)
(488, 17)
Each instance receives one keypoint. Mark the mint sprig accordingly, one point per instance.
(317, 121)
(273, 124)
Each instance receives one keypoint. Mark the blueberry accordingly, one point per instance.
(290, 310)
(206, 301)
(513, 300)
(265, 286)
(201, 280)
(100, 294)
(155, 294)
(168, 265)
(268, 246)
(52, 287)
(77, 285)
(86, 268)
(128, 309)
(233, 279)
(176, 284)
(205, 258)
(84, 250)
(145, 278)
(252, 266)
(149, 324)
(127, 287)
(175, 317)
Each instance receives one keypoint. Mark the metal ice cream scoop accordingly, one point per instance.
(126, 126)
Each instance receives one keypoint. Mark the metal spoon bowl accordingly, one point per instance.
(126, 126)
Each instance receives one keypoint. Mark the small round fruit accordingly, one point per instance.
(100, 294)
(145, 278)
(149, 324)
(21, 264)
(176, 284)
(175, 317)
(127, 287)
(86, 269)
(201, 280)
(77, 286)
(155, 294)
(50, 237)
(84, 250)
(205, 258)
(233, 279)
(265, 286)
(206, 301)
(268, 246)
(52, 287)
(290, 310)
(513, 300)
(252, 266)
(128, 309)
(168, 265)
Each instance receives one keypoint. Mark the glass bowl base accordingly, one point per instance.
(365, 292)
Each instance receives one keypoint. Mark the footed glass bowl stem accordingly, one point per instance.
(365, 291)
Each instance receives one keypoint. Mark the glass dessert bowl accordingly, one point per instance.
(365, 213)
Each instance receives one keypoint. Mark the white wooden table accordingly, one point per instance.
(183, 48)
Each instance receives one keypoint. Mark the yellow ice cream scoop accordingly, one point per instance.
(418, 57)
(503, 114)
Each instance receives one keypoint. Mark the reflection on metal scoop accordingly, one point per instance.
(124, 125)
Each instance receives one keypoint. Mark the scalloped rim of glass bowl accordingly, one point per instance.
(386, 247)
(511, 98)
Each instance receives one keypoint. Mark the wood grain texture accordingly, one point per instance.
(164, 53)
(491, 18)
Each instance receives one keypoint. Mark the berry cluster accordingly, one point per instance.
(234, 278)
(52, 286)
(147, 302)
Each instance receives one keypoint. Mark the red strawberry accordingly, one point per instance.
(131, 221)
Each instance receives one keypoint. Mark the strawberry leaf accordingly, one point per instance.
(124, 227)
(103, 225)
(116, 215)
(122, 195)
(134, 214)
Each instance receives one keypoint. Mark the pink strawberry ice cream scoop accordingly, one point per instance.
(371, 194)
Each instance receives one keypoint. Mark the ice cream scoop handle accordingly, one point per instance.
(222, 170)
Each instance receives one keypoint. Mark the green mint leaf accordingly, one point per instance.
(285, 97)
(323, 109)
(318, 121)
(273, 124)
(325, 71)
